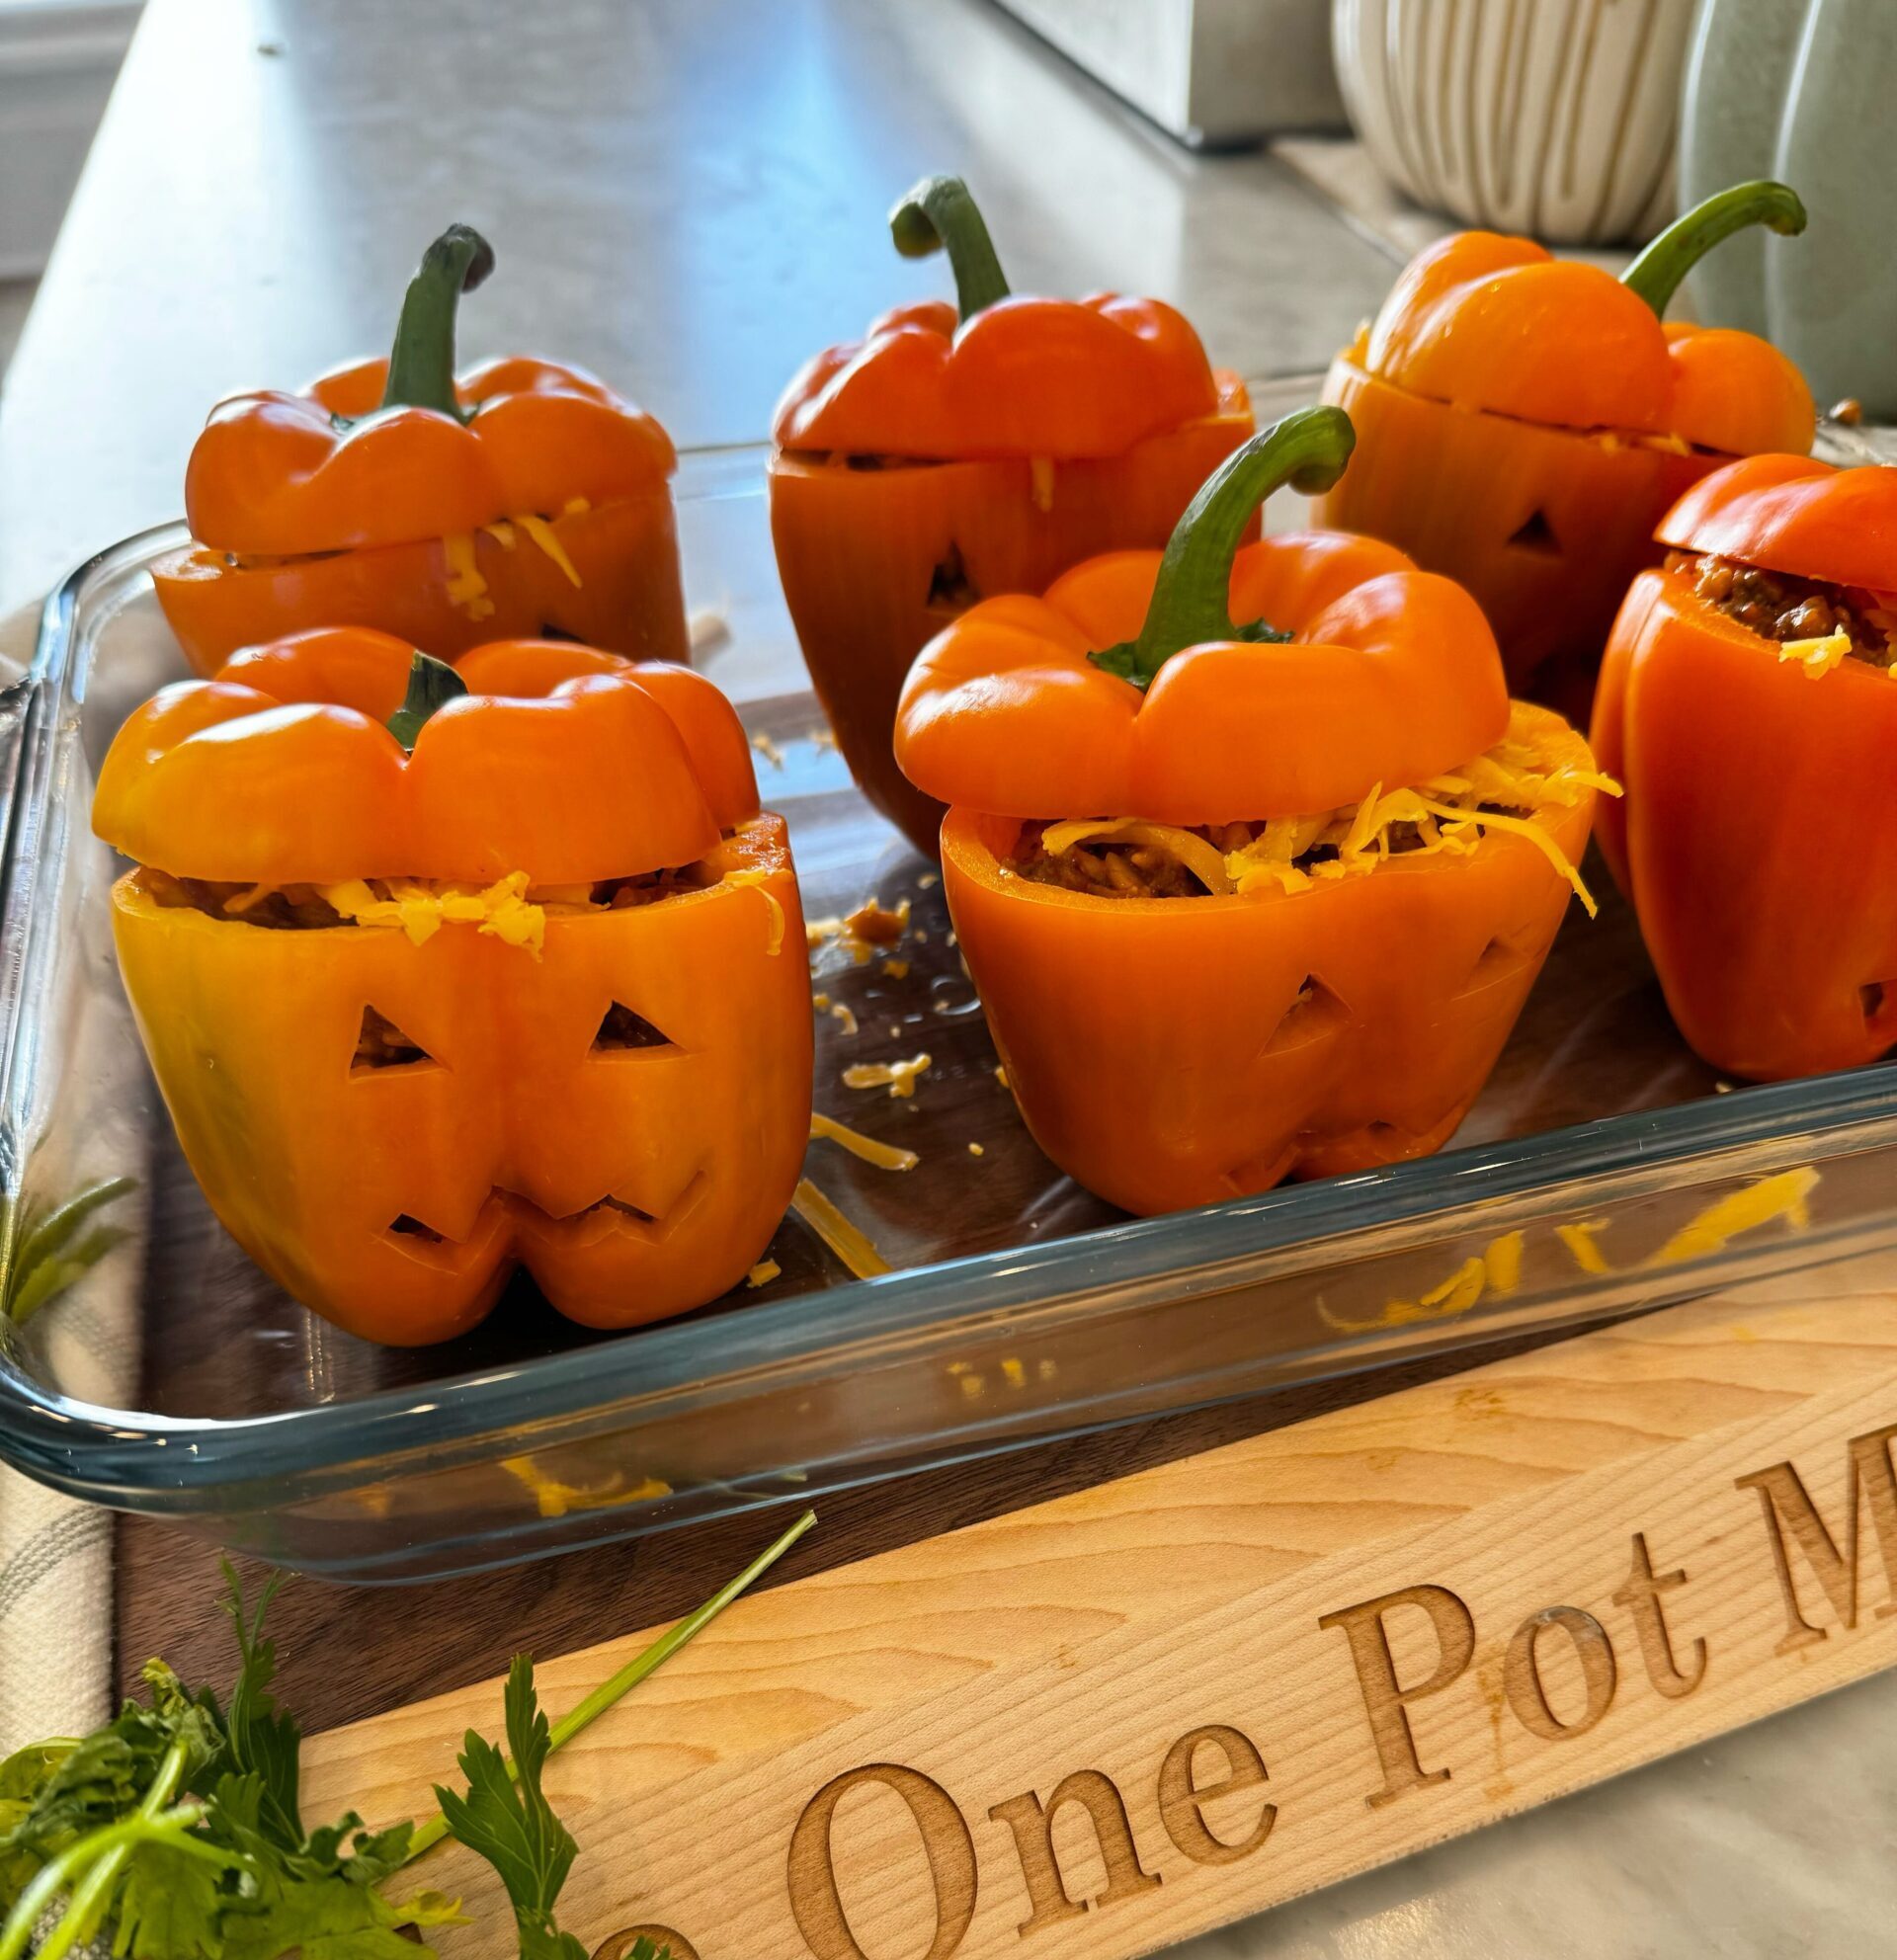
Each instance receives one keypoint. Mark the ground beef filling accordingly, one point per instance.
(1779, 605)
(303, 908)
(1106, 867)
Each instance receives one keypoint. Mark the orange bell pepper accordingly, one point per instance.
(523, 499)
(549, 1004)
(1523, 421)
(1757, 843)
(948, 454)
(1327, 999)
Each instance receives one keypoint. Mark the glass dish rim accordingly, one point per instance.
(90, 1448)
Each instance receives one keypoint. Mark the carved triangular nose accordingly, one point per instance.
(380, 1044)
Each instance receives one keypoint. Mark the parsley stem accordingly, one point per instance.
(90, 1895)
(430, 1833)
(107, 1849)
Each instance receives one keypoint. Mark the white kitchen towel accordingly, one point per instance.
(56, 1553)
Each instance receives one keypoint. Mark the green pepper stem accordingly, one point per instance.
(939, 216)
(1191, 597)
(420, 365)
(432, 685)
(1656, 274)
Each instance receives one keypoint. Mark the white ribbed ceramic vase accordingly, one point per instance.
(1552, 118)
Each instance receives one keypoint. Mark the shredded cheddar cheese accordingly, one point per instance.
(556, 1499)
(1783, 1195)
(503, 534)
(767, 748)
(761, 1275)
(896, 970)
(1580, 1241)
(542, 532)
(884, 1156)
(899, 1078)
(466, 586)
(850, 1244)
(842, 1016)
(871, 928)
(1200, 856)
(756, 880)
(1449, 813)
(421, 907)
(1817, 656)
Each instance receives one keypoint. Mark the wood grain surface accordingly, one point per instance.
(1129, 1714)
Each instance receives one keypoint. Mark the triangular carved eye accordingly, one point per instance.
(1536, 534)
(383, 1045)
(622, 1028)
(951, 589)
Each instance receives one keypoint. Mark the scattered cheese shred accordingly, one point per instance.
(928, 881)
(421, 907)
(556, 1499)
(1783, 1195)
(871, 928)
(975, 1150)
(503, 534)
(767, 748)
(884, 1156)
(1579, 1240)
(542, 532)
(1817, 656)
(466, 586)
(850, 1245)
(896, 970)
(875, 924)
(899, 1078)
(1001, 1076)
(757, 882)
(761, 1275)
(842, 1016)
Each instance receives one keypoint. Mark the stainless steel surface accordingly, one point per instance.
(689, 197)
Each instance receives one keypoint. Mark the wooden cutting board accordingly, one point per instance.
(1114, 1720)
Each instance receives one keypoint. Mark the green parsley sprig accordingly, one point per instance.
(178, 1827)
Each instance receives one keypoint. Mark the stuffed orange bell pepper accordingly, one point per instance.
(1523, 421)
(523, 499)
(1251, 857)
(443, 971)
(959, 450)
(1749, 701)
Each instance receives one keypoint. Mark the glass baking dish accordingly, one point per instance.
(1602, 1170)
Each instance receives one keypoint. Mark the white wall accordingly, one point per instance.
(57, 61)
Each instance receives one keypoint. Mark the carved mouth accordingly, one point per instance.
(610, 1214)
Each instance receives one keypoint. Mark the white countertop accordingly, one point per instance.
(689, 199)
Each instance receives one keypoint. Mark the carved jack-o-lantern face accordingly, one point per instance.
(390, 1122)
